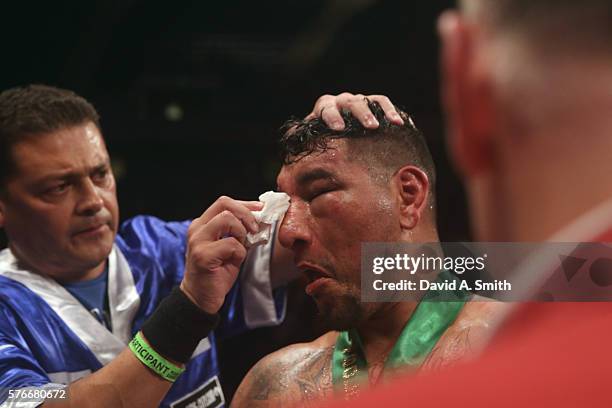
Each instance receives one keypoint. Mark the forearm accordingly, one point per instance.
(125, 382)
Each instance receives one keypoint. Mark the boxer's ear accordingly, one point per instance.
(412, 186)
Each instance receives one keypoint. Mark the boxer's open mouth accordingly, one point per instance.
(317, 279)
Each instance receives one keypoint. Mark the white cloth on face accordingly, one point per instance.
(275, 207)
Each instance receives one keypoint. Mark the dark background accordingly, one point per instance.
(191, 94)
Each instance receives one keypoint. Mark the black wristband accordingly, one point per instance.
(177, 326)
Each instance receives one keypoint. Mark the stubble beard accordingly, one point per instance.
(343, 311)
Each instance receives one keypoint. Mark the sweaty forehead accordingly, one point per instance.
(332, 161)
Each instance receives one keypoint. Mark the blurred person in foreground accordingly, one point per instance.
(349, 187)
(527, 87)
(101, 315)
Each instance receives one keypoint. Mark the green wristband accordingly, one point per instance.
(153, 360)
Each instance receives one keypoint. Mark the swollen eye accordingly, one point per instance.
(320, 193)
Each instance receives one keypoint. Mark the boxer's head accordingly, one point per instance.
(526, 88)
(349, 187)
(58, 203)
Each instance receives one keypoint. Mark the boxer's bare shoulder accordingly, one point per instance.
(298, 374)
(469, 334)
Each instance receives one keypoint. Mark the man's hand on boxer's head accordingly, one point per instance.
(216, 249)
(328, 107)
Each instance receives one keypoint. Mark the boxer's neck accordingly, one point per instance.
(380, 332)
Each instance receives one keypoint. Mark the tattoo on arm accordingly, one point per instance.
(302, 377)
(314, 381)
(454, 349)
(267, 381)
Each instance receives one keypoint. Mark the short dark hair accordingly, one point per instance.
(387, 148)
(35, 110)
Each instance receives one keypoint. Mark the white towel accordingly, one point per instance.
(275, 207)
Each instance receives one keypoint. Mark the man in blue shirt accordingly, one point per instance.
(66, 250)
